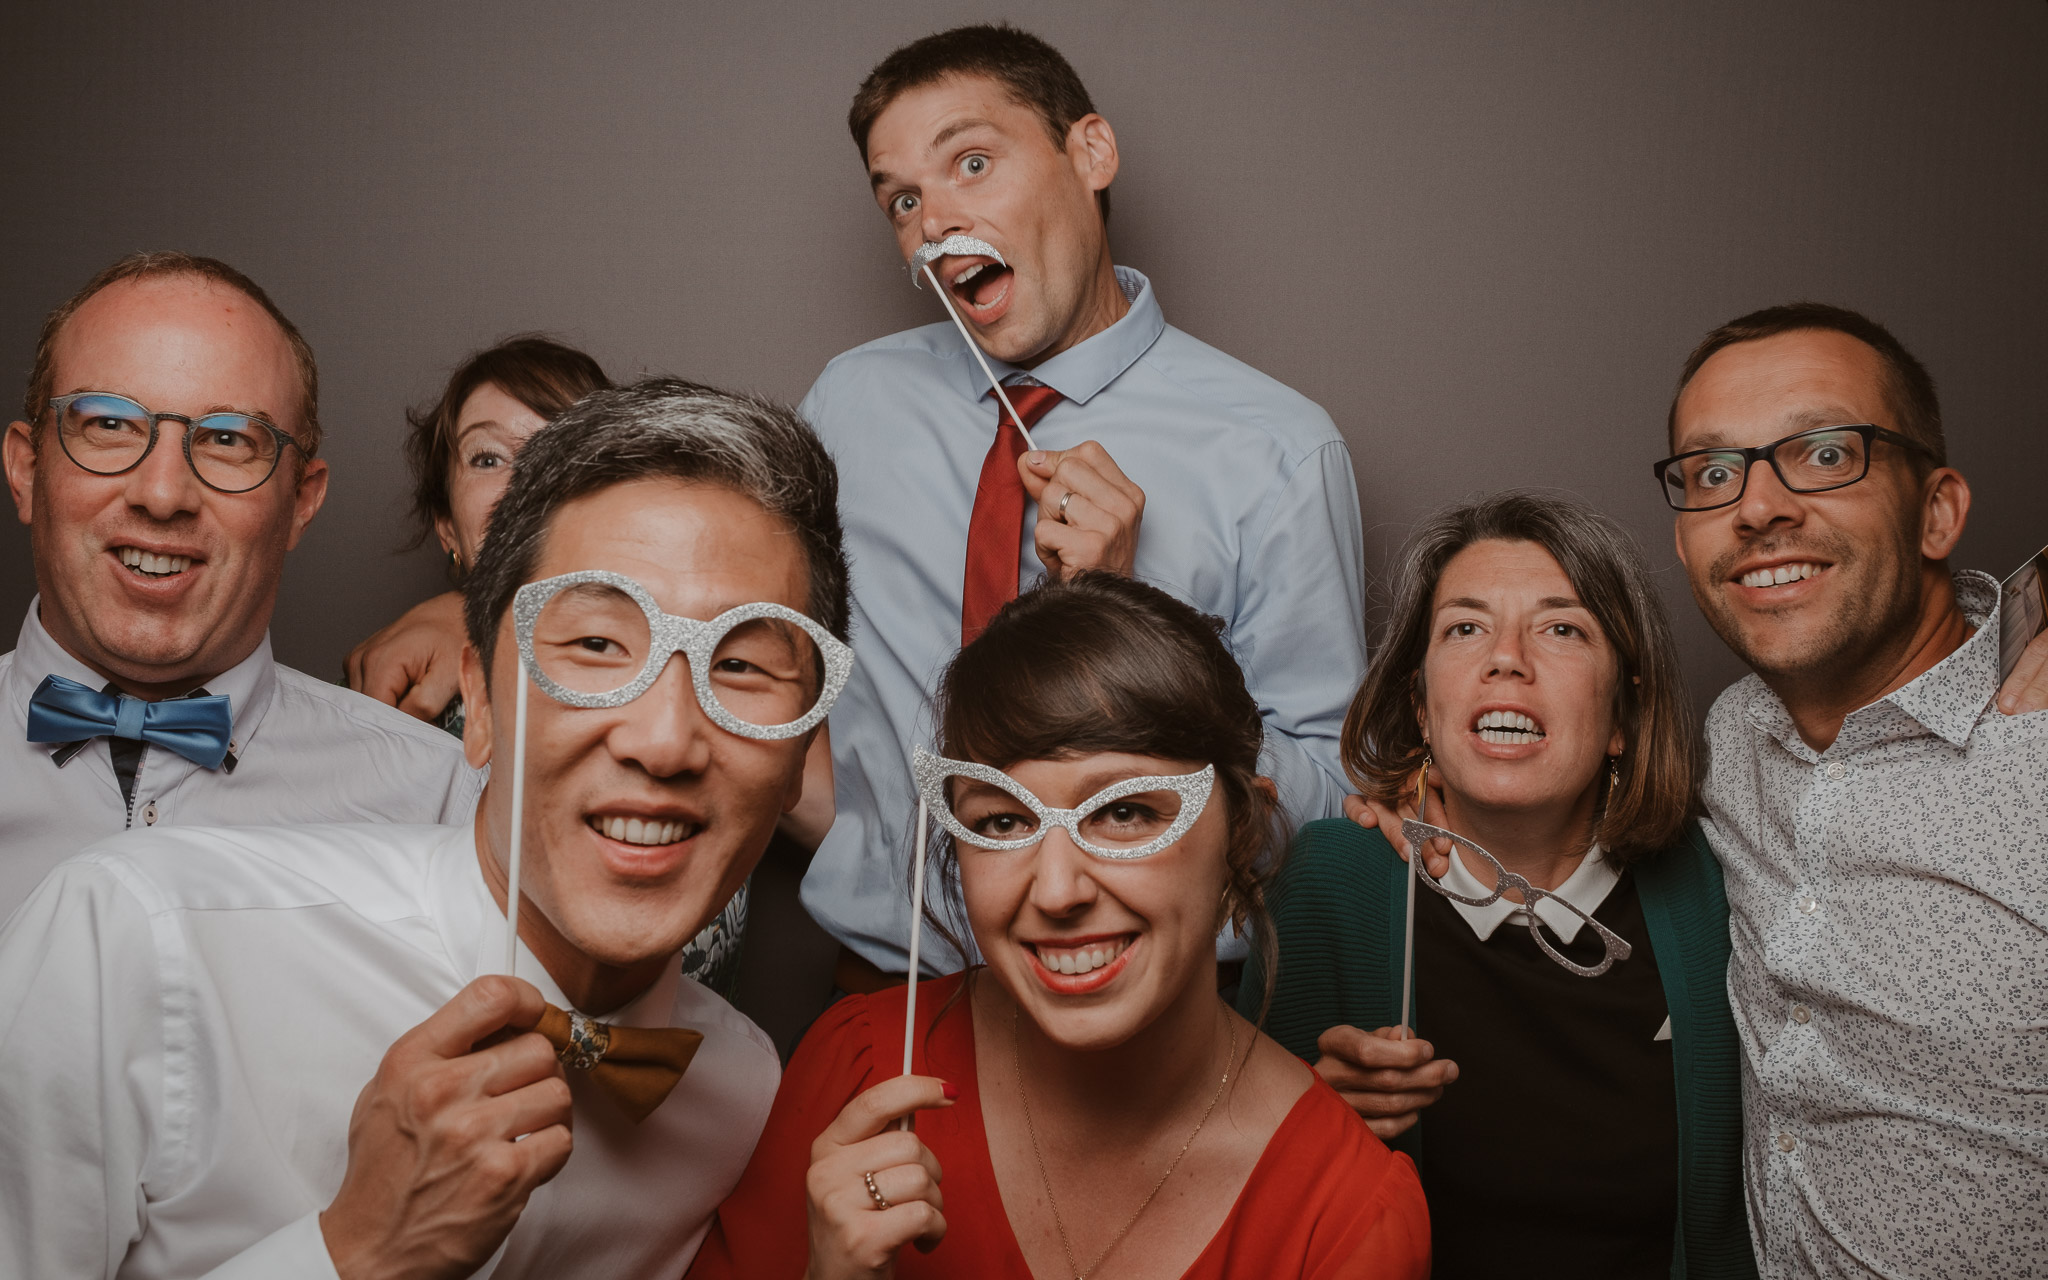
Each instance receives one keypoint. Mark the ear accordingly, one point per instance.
(307, 500)
(444, 529)
(1944, 510)
(1091, 146)
(1678, 541)
(793, 790)
(20, 460)
(476, 709)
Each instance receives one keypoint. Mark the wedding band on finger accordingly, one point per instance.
(875, 1192)
(1065, 498)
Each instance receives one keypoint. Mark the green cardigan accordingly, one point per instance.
(1337, 916)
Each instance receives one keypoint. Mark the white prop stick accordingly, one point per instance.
(1408, 929)
(916, 931)
(979, 358)
(518, 825)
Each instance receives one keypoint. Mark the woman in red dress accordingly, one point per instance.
(1085, 1105)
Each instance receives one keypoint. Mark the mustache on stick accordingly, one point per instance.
(965, 246)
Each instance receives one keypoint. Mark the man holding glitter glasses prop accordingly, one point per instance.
(989, 162)
(1882, 819)
(165, 462)
(297, 1052)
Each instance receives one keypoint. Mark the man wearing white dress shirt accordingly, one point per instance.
(165, 462)
(1154, 455)
(192, 1014)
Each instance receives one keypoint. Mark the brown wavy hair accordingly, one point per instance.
(1098, 662)
(544, 375)
(1661, 765)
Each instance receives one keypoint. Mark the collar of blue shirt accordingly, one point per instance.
(1081, 371)
(1946, 700)
(249, 684)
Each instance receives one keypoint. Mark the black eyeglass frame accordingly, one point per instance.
(1870, 432)
(59, 404)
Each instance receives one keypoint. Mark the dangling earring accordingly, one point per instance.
(454, 565)
(1422, 787)
(1613, 778)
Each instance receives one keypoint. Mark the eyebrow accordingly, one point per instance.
(882, 177)
(1547, 602)
(1803, 420)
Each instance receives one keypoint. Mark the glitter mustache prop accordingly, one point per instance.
(965, 246)
(1141, 837)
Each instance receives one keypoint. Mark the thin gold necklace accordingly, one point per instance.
(1024, 1095)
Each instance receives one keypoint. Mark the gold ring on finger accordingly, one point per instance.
(874, 1192)
(1065, 498)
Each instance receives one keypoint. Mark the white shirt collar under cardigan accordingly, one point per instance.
(1586, 888)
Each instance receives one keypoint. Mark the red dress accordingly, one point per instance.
(1326, 1200)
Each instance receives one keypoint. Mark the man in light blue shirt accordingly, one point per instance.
(1152, 454)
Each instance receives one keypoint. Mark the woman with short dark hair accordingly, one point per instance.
(1094, 1107)
(1569, 955)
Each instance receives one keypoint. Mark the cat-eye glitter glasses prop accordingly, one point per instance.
(1125, 821)
(595, 639)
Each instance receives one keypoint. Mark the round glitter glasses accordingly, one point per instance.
(597, 639)
(1135, 818)
(1419, 833)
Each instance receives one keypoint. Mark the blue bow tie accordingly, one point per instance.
(66, 711)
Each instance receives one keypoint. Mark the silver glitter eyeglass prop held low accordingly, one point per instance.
(1135, 818)
(1418, 833)
(597, 639)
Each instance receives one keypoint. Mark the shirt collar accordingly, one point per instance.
(1083, 370)
(250, 684)
(1586, 888)
(472, 931)
(1946, 700)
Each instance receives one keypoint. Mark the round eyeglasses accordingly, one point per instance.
(1807, 462)
(1419, 833)
(597, 639)
(110, 434)
(1135, 818)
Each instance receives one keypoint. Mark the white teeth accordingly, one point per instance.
(151, 563)
(1507, 728)
(1779, 575)
(648, 832)
(1086, 960)
(969, 274)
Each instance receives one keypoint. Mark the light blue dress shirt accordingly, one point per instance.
(1251, 514)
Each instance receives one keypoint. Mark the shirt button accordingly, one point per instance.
(1785, 1142)
(1801, 1014)
(1807, 906)
(1837, 770)
(149, 814)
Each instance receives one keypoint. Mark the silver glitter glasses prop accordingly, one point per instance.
(595, 639)
(1419, 833)
(1124, 821)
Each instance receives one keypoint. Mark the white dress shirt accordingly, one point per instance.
(187, 1016)
(1585, 888)
(305, 751)
(1889, 916)
(1253, 517)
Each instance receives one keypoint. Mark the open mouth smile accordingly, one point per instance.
(1508, 728)
(150, 564)
(1780, 575)
(1082, 966)
(981, 286)
(645, 832)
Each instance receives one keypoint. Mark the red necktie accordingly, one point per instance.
(995, 532)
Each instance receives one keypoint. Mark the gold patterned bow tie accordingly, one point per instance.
(637, 1066)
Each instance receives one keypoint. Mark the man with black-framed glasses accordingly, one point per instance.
(1881, 819)
(165, 461)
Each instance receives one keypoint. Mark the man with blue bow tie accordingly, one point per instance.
(165, 461)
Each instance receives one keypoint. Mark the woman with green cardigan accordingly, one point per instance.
(1576, 1106)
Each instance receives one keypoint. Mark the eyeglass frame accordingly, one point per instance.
(931, 770)
(58, 404)
(695, 638)
(1870, 432)
(1418, 833)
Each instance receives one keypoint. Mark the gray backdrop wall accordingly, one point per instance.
(1482, 235)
